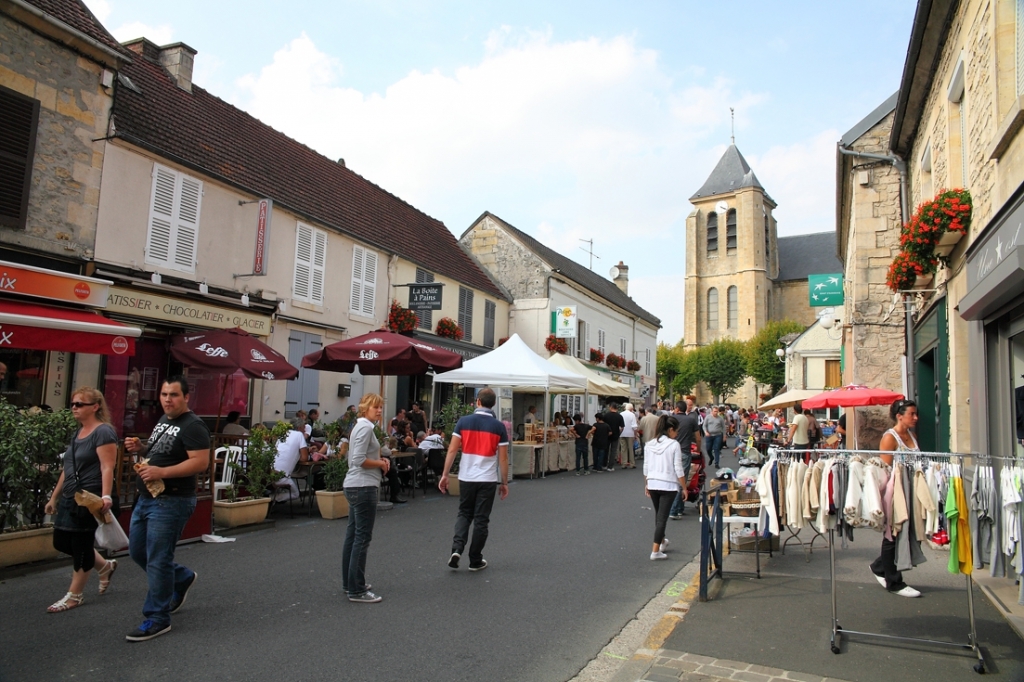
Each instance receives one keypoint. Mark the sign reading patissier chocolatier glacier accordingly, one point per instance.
(186, 313)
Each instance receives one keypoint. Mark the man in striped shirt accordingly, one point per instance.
(484, 443)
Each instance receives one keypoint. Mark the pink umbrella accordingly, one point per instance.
(851, 396)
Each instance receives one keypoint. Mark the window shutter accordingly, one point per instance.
(490, 310)
(600, 340)
(187, 234)
(19, 117)
(622, 347)
(356, 300)
(426, 317)
(303, 262)
(161, 216)
(587, 341)
(466, 313)
(318, 265)
(369, 282)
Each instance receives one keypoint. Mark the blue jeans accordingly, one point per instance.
(362, 511)
(155, 529)
(600, 458)
(680, 501)
(715, 448)
(581, 455)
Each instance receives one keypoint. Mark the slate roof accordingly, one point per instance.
(870, 121)
(731, 174)
(205, 133)
(599, 286)
(807, 254)
(75, 14)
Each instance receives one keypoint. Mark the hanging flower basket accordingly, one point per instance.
(401, 319)
(633, 366)
(596, 355)
(907, 268)
(923, 281)
(553, 344)
(935, 228)
(614, 361)
(449, 329)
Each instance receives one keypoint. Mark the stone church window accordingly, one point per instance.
(730, 230)
(712, 308)
(712, 233)
(767, 239)
(732, 302)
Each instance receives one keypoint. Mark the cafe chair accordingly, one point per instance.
(231, 454)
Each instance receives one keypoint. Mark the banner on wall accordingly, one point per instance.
(565, 322)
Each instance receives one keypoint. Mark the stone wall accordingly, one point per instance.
(517, 268)
(74, 111)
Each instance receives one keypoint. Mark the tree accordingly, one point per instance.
(761, 362)
(668, 358)
(690, 364)
(722, 367)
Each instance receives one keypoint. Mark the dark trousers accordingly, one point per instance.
(362, 512)
(662, 501)
(715, 448)
(600, 458)
(581, 455)
(475, 501)
(885, 566)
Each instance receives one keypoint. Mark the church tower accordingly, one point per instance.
(731, 258)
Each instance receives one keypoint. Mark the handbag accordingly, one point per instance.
(110, 535)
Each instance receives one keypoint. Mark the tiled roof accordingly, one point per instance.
(731, 174)
(807, 254)
(75, 14)
(601, 287)
(211, 136)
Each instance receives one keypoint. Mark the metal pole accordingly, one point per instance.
(908, 308)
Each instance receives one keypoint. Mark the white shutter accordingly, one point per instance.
(161, 216)
(301, 285)
(319, 262)
(369, 283)
(587, 350)
(190, 196)
(356, 300)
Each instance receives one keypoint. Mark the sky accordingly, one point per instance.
(571, 120)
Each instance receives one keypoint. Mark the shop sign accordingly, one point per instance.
(565, 322)
(425, 296)
(57, 386)
(51, 285)
(825, 290)
(467, 353)
(265, 208)
(997, 246)
(184, 313)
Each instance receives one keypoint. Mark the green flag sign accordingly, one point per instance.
(825, 290)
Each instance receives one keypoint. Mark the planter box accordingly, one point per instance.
(26, 546)
(923, 281)
(453, 484)
(244, 513)
(950, 238)
(332, 505)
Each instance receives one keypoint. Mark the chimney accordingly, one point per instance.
(622, 278)
(178, 59)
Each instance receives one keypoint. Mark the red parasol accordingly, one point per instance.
(225, 351)
(382, 352)
(851, 396)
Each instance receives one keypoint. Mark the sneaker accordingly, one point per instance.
(881, 580)
(586, 472)
(675, 517)
(178, 599)
(655, 556)
(148, 630)
(578, 473)
(609, 468)
(366, 598)
(453, 560)
(663, 545)
(480, 566)
(908, 591)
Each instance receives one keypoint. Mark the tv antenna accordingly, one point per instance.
(590, 251)
(732, 115)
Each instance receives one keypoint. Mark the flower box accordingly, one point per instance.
(923, 281)
(332, 505)
(241, 513)
(26, 546)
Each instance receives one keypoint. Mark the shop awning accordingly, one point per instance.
(43, 327)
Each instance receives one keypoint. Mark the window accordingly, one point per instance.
(767, 240)
(730, 230)
(426, 317)
(833, 375)
(957, 94)
(19, 118)
(466, 313)
(732, 303)
(600, 340)
(364, 281)
(647, 362)
(712, 308)
(622, 347)
(489, 313)
(712, 233)
(173, 219)
(582, 340)
(310, 261)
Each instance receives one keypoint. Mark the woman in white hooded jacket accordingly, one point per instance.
(664, 474)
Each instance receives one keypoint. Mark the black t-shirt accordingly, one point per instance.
(842, 425)
(169, 445)
(81, 455)
(689, 426)
(581, 429)
(615, 421)
(602, 435)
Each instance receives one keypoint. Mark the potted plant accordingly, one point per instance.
(596, 355)
(633, 366)
(331, 501)
(553, 344)
(449, 329)
(257, 473)
(401, 320)
(446, 419)
(31, 442)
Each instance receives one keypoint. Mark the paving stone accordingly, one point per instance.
(803, 677)
(735, 665)
(765, 670)
(716, 671)
(655, 677)
(697, 677)
(696, 658)
(746, 676)
(688, 666)
(664, 670)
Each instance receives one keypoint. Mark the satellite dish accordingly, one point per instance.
(614, 272)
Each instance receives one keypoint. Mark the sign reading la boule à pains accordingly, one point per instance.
(565, 322)
(825, 290)
(425, 296)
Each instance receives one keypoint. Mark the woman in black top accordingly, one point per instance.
(88, 465)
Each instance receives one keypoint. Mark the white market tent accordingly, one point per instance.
(597, 384)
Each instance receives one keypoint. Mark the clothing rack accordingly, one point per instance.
(837, 630)
(784, 456)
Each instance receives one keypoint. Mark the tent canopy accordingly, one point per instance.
(789, 398)
(596, 384)
(514, 364)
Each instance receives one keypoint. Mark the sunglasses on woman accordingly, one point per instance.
(77, 405)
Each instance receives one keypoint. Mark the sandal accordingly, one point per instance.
(106, 574)
(70, 601)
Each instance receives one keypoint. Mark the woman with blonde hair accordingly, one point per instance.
(88, 465)
(366, 467)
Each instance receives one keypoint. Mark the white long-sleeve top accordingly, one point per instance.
(663, 464)
(768, 517)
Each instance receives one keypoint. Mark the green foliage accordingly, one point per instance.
(335, 470)
(260, 454)
(31, 442)
(761, 362)
(722, 367)
(448, 416)
(690, 368)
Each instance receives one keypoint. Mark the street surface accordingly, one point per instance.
(568, 568)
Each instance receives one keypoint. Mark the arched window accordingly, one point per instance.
(732, 304)
(712, 233)
(730, 230)
(712, 308)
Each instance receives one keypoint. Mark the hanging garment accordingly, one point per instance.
(900, 512)
(826, 518)
(876, 477)
(783, 470)
(794, 495)
(853, 507)
(908, 545)
(984, 505)
(959, 533)
(812, 485)
(931, 525)
(923, 504)
(768, 519)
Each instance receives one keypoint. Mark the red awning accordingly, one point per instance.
(44, 327)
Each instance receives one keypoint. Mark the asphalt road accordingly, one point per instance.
(568, 568)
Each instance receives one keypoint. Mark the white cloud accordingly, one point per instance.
(161, 35)
(101, 8)
(662, 295)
